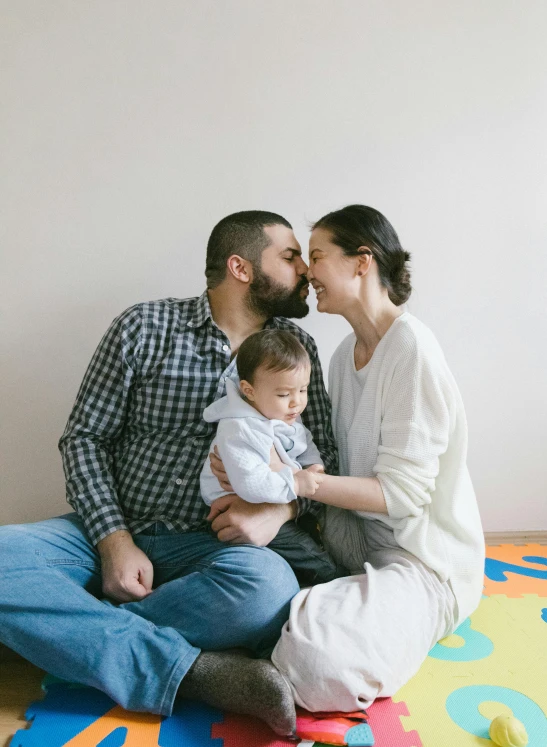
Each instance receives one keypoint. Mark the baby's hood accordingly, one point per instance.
(232, 405)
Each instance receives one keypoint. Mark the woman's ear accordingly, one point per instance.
(246, 390)
(364, 260)
(239, 268)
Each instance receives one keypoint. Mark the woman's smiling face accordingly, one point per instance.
(331, 273)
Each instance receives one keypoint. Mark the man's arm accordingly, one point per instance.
(96, 421)
(236, 521)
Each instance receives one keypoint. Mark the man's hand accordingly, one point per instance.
(306, 482)
(217, 468)
(127, 572)
(241, 523)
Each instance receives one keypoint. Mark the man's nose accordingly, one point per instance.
(302, 267)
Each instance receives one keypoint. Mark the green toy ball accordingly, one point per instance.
(507, 731)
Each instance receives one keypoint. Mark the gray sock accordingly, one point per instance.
(234, 682)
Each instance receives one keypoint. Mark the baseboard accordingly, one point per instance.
(516, 538)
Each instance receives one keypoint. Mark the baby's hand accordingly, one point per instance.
(316, 468)
(306, 482)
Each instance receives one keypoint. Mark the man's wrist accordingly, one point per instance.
(113, 541)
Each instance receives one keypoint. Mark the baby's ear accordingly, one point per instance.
(246, 390)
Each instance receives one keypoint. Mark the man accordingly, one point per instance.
(132, 451)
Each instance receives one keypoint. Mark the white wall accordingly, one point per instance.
(131, 127)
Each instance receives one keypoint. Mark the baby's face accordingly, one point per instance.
(279, 395)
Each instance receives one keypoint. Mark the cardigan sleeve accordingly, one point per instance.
(414, 433)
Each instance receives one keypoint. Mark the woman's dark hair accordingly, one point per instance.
(358, 225)
(272, 349)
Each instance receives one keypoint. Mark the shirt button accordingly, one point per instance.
(225, 347)
(178, 481)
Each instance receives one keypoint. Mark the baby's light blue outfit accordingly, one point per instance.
(244, 439)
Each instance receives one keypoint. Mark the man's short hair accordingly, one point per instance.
(240, 233)
(271, 349)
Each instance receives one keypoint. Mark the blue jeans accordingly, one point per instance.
(207, 595)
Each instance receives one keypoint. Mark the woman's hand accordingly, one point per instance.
(306, 482)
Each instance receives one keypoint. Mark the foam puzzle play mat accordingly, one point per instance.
(494, 664)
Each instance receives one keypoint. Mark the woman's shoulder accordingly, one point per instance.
(414, 347)
(412, 336)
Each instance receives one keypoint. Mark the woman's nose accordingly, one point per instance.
(309, 275)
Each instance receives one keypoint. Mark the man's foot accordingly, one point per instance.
(234, 682)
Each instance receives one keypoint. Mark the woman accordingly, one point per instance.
(402, 517)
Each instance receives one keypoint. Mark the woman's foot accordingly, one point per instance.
(237, 683)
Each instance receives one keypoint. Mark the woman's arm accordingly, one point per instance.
(355, 493)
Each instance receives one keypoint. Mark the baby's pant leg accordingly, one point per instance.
(310, 563)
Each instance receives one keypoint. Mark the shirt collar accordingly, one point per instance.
(201, 313)
(274, 322)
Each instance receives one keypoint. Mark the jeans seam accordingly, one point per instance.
(198, 566)
(68, 561)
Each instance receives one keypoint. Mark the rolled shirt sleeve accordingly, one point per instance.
(96, 420)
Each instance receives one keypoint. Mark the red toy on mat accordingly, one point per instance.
(349, 729)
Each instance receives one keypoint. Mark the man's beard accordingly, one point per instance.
(269, 298)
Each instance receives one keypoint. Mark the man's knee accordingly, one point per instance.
(260, 573)
(261, 585)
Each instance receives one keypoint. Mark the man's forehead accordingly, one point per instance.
(282, 239)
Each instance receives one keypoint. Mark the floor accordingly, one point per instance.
(19, 686)
(20, 681)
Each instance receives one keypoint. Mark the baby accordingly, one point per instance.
(264, 446)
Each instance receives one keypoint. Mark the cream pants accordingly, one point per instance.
(357, 638)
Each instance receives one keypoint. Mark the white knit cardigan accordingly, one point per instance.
(408, 428)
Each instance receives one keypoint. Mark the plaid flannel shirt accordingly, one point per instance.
(136, 440)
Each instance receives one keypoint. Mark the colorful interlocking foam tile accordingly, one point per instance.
(496, 662)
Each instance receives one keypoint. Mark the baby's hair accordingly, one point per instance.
(272, 349)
